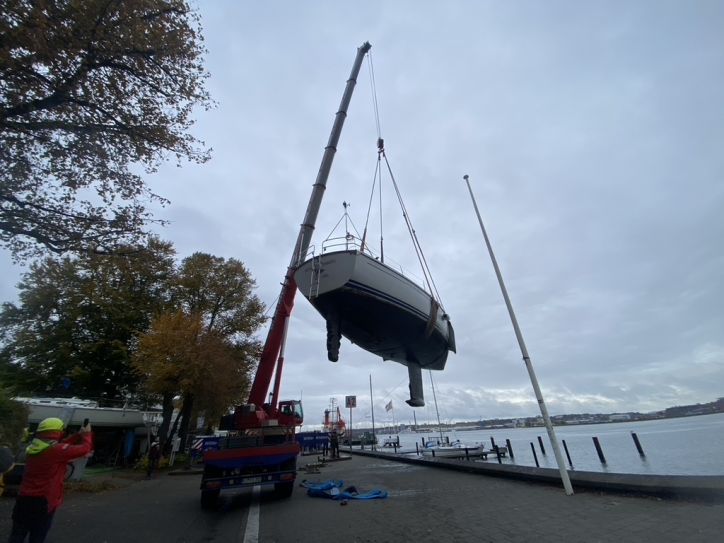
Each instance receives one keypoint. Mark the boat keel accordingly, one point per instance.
(333, 339)
(417, 398)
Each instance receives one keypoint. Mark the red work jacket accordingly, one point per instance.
(45, 470)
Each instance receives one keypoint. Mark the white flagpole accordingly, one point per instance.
(524, 351)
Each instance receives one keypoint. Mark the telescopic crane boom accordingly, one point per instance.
(275, 336)
(260, 447)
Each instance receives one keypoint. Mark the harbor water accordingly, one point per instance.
(680, 446)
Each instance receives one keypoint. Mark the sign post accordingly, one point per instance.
(350, 401)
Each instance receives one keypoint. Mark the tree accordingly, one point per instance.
(219, 315)
(89, 91)
(13, 420)
(179, 355)
(221, 292)
(78, 320)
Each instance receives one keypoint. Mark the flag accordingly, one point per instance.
(388, 407)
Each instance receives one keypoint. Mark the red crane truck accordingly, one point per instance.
(261, 447)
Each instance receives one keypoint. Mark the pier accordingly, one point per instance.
(670, 486)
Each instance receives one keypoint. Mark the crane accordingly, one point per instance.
(261, 447)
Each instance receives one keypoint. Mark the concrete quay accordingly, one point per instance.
(703, 487)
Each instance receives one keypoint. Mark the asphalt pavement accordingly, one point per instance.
(423, 504)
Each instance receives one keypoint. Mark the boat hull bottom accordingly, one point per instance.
(383, 329)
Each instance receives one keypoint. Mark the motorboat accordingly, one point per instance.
(73, 411)
(377, 308)
(455, 449)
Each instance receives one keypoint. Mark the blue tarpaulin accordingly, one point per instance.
(331, 489)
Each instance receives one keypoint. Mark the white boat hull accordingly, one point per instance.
(378, 309)
(454, 451)
(74, 415)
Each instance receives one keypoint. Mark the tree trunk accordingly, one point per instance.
(167, 449)
(186, 412)
(166, 414)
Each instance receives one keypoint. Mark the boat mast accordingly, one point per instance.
(275, 336)
(372, 407)
(524, 351)
(437, 412)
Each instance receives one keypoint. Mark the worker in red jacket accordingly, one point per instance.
(41, 490)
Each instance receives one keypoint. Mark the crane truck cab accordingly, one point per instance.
(259, 448)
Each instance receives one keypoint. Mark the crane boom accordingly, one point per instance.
(275, 335)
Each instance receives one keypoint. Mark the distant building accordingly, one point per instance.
(619, 417)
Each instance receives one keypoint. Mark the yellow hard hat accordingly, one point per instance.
(50, 424)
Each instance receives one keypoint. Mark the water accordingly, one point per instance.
(682, 446)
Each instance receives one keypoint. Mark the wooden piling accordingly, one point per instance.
(492, 442)
(638, 445)
(497, 452)
(535, 456)
(540, 444)
(565, 448)
(510, 449)
(599, 451)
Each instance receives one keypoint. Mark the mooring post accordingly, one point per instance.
(433, 453)
(492, 442)
(565, 448)
(598, 450)
(467, 457)
(417, 449)
(394, 446)
(540, 444)
(535, 456)
(638, 445)
(510, 449)
(497, 452)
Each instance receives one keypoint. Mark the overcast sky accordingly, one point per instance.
(593, 134)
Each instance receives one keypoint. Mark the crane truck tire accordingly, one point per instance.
(283, 490)
(210, 499)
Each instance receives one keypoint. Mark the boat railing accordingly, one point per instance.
(353, 243)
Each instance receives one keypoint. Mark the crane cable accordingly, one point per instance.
(432, 287)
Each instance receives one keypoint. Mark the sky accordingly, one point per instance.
(592, 133)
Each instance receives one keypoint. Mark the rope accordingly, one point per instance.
(432, 287)
(373, 86)
(369, 205)
(415, 241)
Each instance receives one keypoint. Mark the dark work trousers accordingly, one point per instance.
(30, 517)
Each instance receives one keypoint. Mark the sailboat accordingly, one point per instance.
(444, 448)
(375, 306)
(378, 309)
